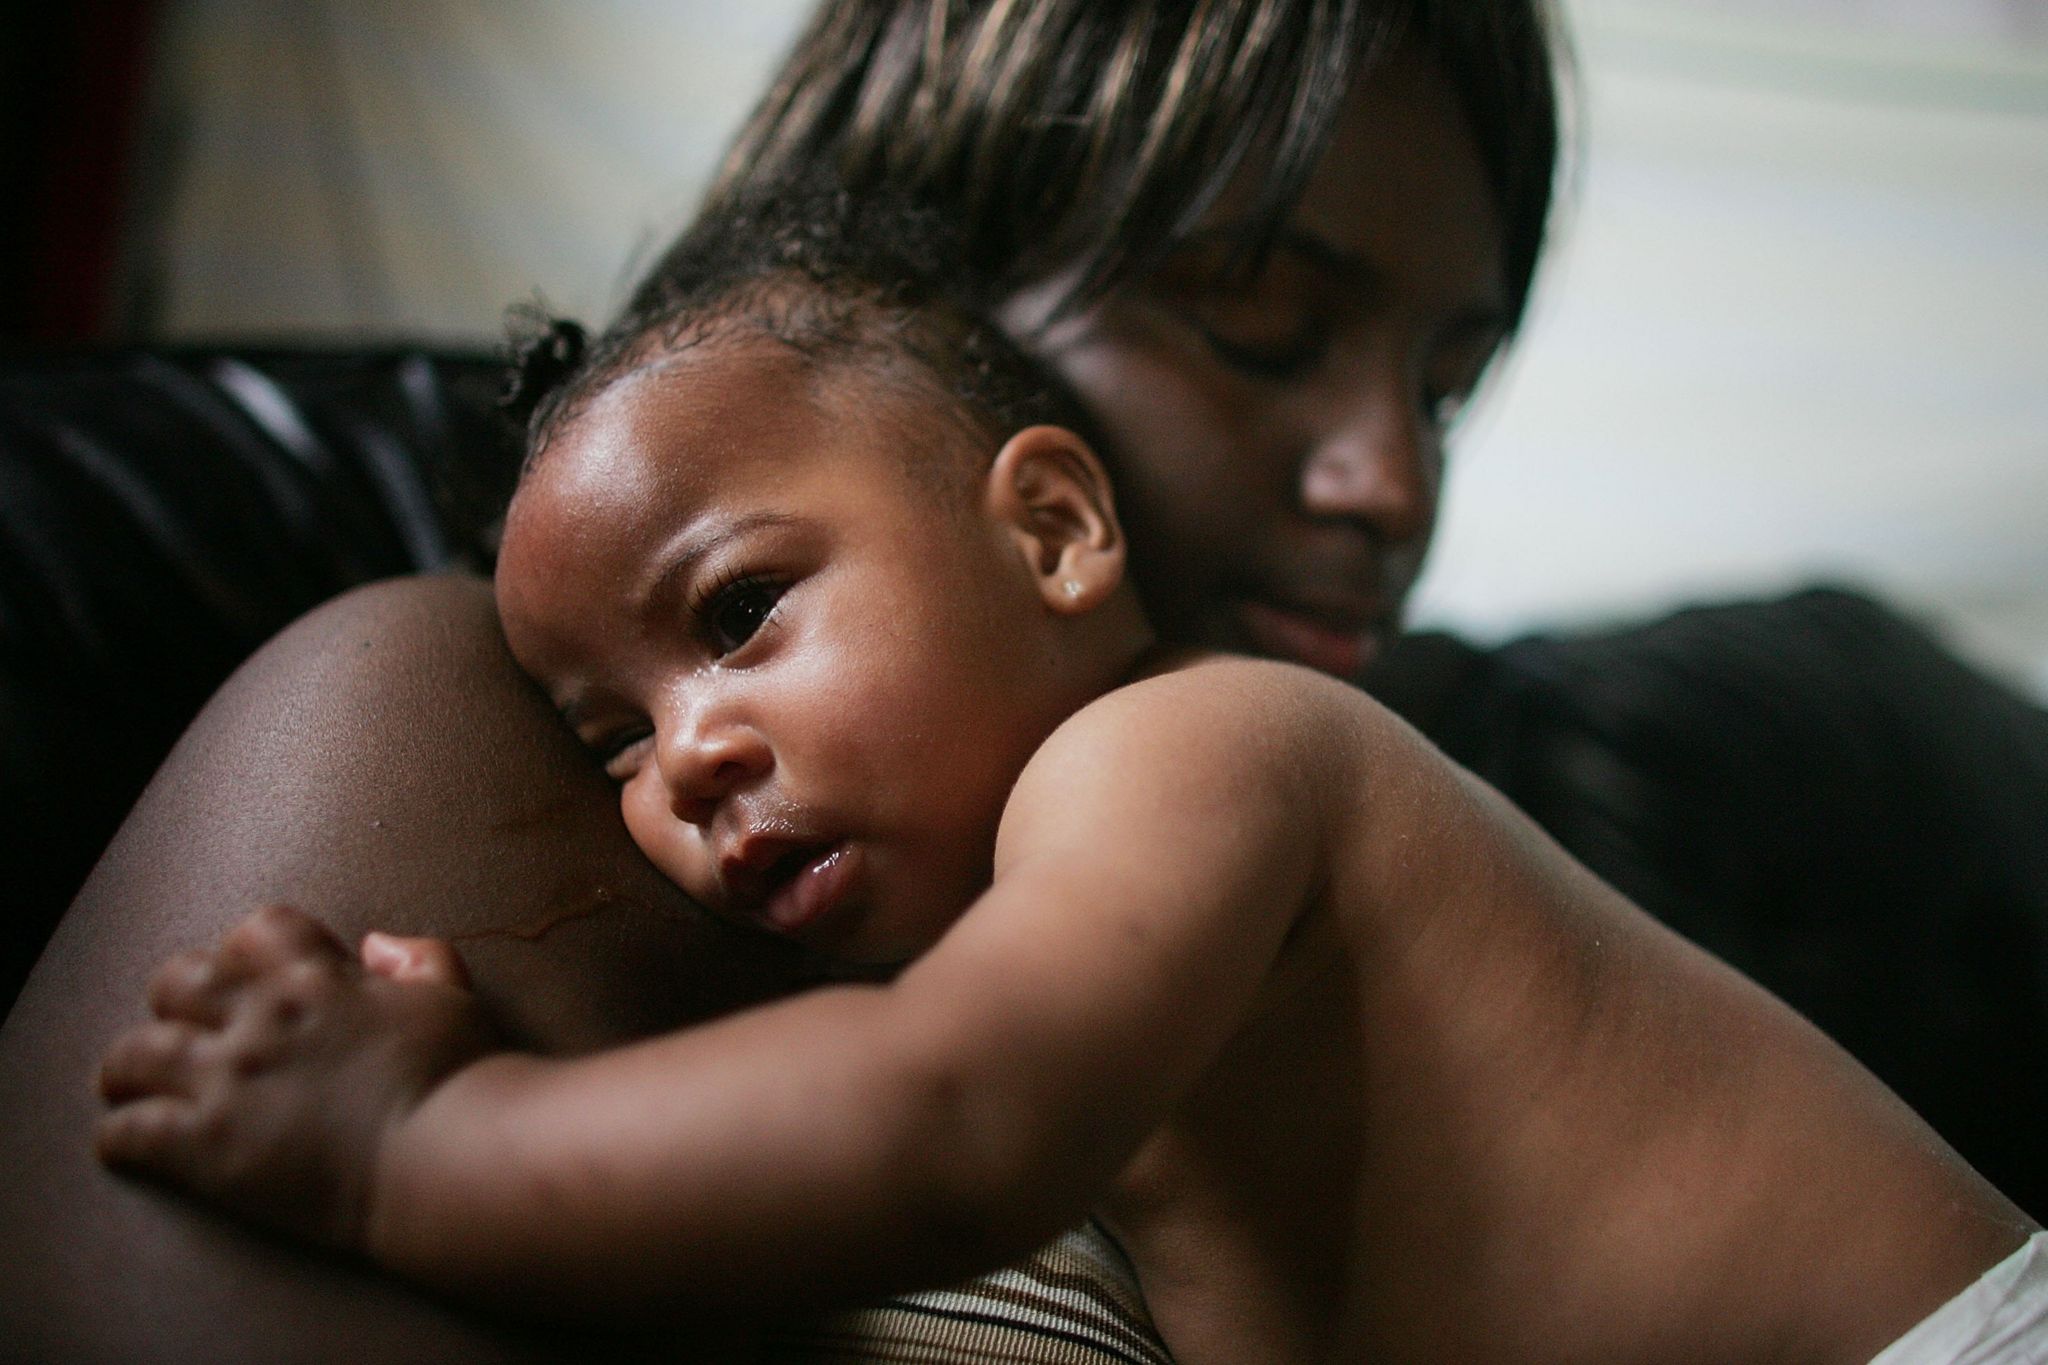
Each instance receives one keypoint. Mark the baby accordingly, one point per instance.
(1352, 1059)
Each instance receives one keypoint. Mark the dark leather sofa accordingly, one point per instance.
(1810, 787)
(164, 513)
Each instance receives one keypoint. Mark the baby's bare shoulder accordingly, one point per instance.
(1223, 716)
(1232, 694)
(1201, 792)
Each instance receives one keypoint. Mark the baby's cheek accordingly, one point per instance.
(672, 846)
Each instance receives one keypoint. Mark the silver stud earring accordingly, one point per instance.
(1073, 587)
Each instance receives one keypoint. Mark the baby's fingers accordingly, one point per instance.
(154, 1059)
(274, 937)
(153, 1135)
(189, 987)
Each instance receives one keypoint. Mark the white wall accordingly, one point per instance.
(1795, 327)
(412, 166)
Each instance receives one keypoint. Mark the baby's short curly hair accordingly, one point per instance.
(863, 284)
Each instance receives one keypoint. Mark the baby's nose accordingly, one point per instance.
(702, 764)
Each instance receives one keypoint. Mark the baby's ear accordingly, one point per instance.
(1051, 492)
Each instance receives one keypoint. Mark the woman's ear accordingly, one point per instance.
(1051, 493)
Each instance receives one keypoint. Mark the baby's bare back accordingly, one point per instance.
(1485, 1109)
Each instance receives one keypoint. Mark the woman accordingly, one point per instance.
(1275, 248)
(1275, 295)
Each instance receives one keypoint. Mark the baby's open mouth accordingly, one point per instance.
(801, 886)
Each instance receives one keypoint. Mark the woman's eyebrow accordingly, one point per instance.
(1358, 273)
(1355, 269)
(1234, 243)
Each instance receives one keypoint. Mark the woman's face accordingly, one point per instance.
(1280, 440)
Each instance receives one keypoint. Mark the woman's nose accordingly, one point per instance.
(704, 757)
(1377, 460)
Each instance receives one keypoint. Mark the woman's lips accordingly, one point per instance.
(810, 893)
(1340, 649)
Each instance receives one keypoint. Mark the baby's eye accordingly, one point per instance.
(618, 752)
(734, 612)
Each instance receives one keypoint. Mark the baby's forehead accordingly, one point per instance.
(772, 388)
(684, 416)
(737, 360)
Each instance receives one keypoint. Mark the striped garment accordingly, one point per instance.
(1075, 1302)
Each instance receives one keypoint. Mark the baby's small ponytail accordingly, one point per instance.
(542, 360)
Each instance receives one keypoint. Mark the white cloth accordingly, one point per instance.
(2002, 1319)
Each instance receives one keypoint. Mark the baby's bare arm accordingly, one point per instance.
(862, 1139)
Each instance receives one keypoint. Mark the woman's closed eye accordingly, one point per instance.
(1270, 328)
(1276, 356)
(1274, 322)
(736, 608)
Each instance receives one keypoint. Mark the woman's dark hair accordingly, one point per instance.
(863, 282)
(1093, 135)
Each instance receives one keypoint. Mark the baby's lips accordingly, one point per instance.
(751, 866)
(813, 892)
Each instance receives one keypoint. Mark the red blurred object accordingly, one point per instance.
(72, 83)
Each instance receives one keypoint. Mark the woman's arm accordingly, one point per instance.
(381, 763)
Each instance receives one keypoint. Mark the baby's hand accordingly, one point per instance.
(276, 1065)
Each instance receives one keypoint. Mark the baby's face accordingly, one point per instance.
(814, 672)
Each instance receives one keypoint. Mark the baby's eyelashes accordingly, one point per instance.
(736, 608)
(612, 737)
(619, 752)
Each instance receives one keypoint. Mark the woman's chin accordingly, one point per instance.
(1340, 649)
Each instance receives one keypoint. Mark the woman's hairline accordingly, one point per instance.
(1115, 263)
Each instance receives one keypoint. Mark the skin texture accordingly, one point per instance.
(1210, 873)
